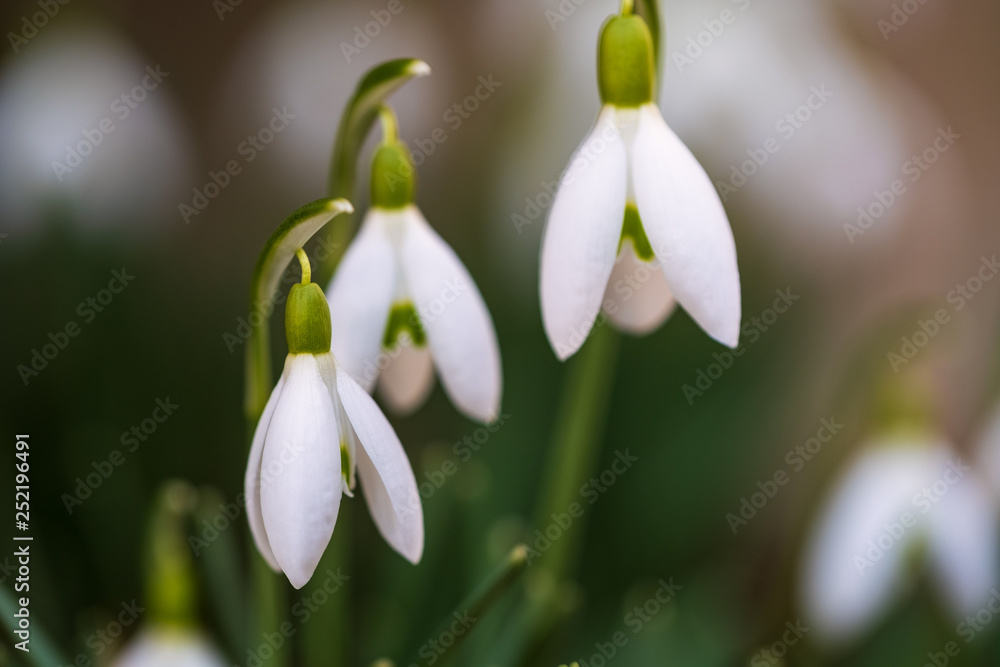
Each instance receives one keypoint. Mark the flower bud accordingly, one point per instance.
(625, 64)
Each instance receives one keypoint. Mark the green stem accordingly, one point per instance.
(304, 263)
(576, 445)
(479, 601)
(627, 7)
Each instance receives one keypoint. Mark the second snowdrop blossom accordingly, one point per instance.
(318, 429)
(636, 225)
(404, 303)
(902, 496)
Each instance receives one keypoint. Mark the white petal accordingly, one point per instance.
(637, 299)
(963, 543)
(845, 585)
(251, 482)
(300, 472)
(581, 237)
(687, 226)
(360, 297)
(459, 329)
(169, 648)
(988, 452)
(386, 476)
(408, 379)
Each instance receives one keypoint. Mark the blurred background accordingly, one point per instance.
(854, 143)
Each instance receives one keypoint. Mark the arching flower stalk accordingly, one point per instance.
(320, 430)
(636, 225)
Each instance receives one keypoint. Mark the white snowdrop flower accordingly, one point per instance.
(317, 430)
(636, 223)
(898, 499)
(405, 304)
(169, 647)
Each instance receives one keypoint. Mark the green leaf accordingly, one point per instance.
(279, 250)
(650, 11)
(359, 116)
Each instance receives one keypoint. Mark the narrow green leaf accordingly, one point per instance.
(291, 234)
(479, 601)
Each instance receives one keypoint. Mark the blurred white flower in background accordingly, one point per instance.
(988, 452)
(900, 504)
(169, 647)
(81, 97)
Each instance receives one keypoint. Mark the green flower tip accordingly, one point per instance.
(626, 70)
(394, 179)
(307, 320)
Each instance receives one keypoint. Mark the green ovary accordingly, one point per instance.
(632, 229)
(403, 318)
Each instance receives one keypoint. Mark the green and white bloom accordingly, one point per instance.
(906, 501)
(318, 429)
(169, 647)
(636, 224)
(408, 304)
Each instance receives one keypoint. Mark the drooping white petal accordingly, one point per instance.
(300, 473)
(963, 541)
(855, 554)
(407, 379)
(580, 241)
(360, 296)
(251, 481)
(637, 299)
(454, 317)
(169, 648)
(687, 226)
(387, 479)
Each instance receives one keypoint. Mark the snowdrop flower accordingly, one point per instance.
(901, 497)
(636, 223)
(169, 647)
(405, 304)
(318, 429)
